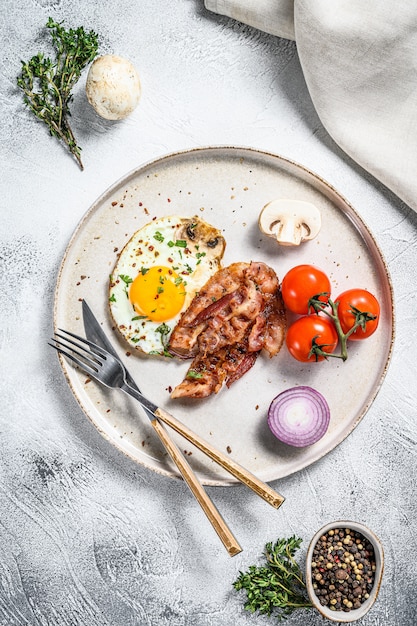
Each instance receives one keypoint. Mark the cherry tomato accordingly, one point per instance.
(302, 283)
(309, 331)
(353, 302)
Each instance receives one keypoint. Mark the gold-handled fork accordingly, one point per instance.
(110, 371)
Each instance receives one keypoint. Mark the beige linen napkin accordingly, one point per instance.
(360, 64)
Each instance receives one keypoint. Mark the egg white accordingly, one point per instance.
(156, 244)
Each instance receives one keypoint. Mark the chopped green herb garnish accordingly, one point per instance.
(181, 243)
(163, 328)
(194, 374)
(164, 331)
(158, 236)
(144, 270)
(112, 298)
(163, 352)
(126, 279)
(171, 244)
(160, 290)
(139, 317)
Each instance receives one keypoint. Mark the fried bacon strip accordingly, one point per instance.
(237, 313)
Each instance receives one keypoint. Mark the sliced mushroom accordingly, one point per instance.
(290, 222)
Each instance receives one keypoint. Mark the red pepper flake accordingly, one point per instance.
(114, 203)
(128, 353)
(229, 449)
(140, 204)
(169, 199)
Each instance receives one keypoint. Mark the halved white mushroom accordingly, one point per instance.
(290, 222)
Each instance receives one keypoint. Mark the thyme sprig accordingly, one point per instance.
(276, 589)
(47, 85)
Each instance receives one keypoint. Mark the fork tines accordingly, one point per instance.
(87, 358)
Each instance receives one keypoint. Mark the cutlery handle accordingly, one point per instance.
(243, 475)
(197, 489)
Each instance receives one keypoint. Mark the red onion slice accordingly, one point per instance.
(299, 416)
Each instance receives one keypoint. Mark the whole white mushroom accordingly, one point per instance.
(113, 87)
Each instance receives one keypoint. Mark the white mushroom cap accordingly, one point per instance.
(290, 221)
(113, 87)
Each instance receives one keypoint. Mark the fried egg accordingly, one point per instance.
(159, 271)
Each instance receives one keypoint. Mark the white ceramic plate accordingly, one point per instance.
(227, 187)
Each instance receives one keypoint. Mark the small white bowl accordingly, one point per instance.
(354, 614)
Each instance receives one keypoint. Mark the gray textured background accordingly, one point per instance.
(86, 536)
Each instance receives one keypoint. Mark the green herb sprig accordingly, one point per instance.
(276, 589)
(47, 85)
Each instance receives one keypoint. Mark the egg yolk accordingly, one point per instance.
(158, 293)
